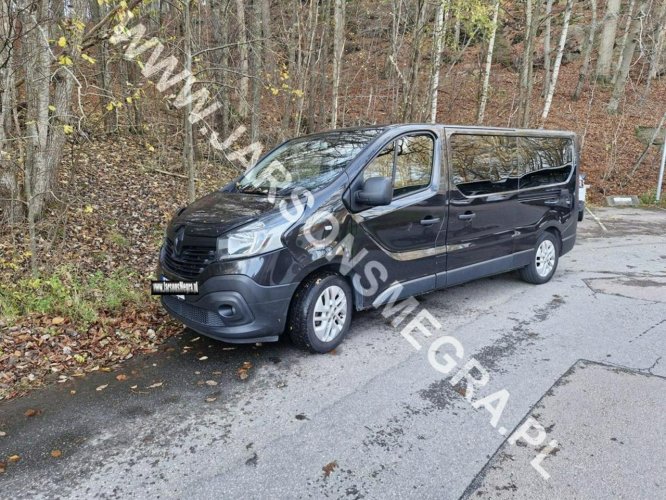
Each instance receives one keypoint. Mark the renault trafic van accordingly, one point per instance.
(351, 219)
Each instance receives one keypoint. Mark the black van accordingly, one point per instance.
(358, 218)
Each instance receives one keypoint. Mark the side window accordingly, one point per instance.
(486, 164)
(381, 165)
(413, 164)
(547, 161)
(482, 164)
(407, 160)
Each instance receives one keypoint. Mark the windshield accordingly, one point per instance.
(306, 162)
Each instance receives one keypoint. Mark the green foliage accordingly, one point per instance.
(474, 15)
(119, 240)
(650, 198)
(64, 293)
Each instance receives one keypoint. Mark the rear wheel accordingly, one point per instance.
(544, 260)
(320, 313)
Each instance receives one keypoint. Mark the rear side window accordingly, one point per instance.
(485, 164)
(408, 161)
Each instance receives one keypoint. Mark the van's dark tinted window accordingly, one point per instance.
(307, 162)
(484, 164)
(408, 160)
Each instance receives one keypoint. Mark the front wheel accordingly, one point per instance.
(320, 313)
(544, 260)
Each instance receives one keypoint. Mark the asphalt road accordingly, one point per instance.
(374, 419)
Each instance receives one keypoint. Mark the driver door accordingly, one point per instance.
(402, 236)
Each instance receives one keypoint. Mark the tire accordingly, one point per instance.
(326, 296)
(545, 258)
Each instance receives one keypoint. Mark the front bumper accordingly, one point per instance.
(234, 308)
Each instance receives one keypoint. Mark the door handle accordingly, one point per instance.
(467, 216)
(429, 221)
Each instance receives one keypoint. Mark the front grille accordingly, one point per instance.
(191, 312)
(191, 260)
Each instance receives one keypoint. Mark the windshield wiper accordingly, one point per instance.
(251, 190)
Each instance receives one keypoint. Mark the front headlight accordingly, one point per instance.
(253, 239)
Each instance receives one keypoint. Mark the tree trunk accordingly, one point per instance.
(623, 43)
(220, 33)
(257, 65)
(607, 40)
(110, 116)
(338, 49)
(489, 62)
(658, 48)
(587, 52)
(630, 47)
(244, 84)
(409, 93)
(526, 83)
(439, 37)
(546, 48)
(558, 61)
(9, 178)
(456, 33)
(188, 139)
(394, 72)
(268, 49)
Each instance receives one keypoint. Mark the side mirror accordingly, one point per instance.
(377, 191)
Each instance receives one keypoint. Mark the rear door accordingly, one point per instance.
(482, 201)
(546, 189)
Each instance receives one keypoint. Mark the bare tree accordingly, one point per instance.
(438, 45)
(546, 47)
(623, 43)
(256, 65)
(629, 49)
(558, 61)
(188, 140)
(489, 61)
(244, 84)
(607, 40)
(338, 50)
(526, 83)
(410, 93)
(658, 47)
(587, 51)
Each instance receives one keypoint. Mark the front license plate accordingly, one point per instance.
(177, 288)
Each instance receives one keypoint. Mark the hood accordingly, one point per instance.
(218, 212)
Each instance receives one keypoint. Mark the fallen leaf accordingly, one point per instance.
(156, 384)
(134, 387)
(31, 412)
(72, 391)
(58, 320)
(243, 370)
(120, 377)
(329, 467)
(14, 458)
(203, 358)
(56, 453)
(102, 387)
(3, 467)
(211, 382)
(2, 434)
(210, 399)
